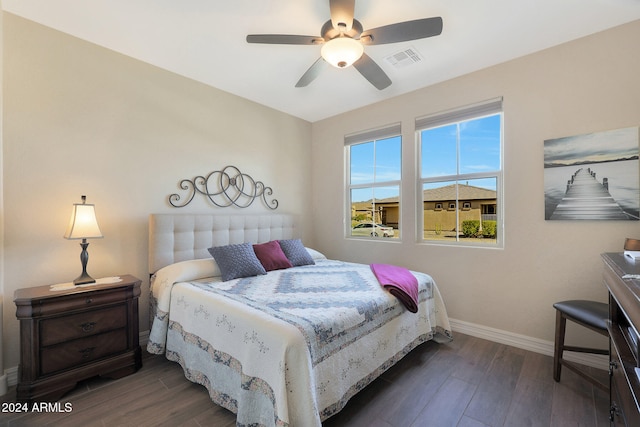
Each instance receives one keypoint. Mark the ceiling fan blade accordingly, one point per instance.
(311, 74)
(283, 39)
(403, 31)
(342, 14)
(372, 72)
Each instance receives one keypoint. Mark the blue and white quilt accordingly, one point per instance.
(288, 348)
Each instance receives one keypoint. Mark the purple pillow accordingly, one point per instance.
(296, 252)
(271, 256)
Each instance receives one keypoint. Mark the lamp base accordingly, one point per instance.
(83, 280)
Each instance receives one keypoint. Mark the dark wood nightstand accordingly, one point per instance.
(73, 334)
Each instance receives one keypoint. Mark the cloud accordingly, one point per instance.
(601, 146)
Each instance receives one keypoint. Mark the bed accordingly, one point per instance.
(285, 348)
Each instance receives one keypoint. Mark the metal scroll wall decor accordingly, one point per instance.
(225, 188)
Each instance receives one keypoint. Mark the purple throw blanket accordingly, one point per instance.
(399, 282)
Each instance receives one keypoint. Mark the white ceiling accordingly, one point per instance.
(205, 40)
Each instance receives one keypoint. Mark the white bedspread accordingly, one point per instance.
(291, 347)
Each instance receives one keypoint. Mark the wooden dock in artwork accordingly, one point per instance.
(587, 198)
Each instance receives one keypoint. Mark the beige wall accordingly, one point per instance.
(3, 377)
(588, 85)
(80, 119)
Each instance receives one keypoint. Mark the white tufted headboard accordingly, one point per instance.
(180, 237)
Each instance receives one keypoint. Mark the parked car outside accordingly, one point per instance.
(368, 229)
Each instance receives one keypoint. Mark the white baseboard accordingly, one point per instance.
(143, 338)
(3, 385)
(12, 376)
(526, 343)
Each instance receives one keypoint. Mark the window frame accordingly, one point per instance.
(471, 112)
(371, 136)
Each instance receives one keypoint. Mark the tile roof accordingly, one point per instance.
(465, 192)
(448, 192)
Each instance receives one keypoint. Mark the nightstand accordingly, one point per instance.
(72, 334)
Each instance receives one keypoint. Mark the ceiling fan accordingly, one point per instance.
(343, 39)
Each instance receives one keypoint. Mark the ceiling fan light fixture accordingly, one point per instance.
(342, 52)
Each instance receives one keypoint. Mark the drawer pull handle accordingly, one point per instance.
(88, 326)
(88, 300)
(614, 412)
(86, 352)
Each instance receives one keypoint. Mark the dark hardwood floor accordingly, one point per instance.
(469, 382)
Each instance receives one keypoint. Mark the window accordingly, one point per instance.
(374, 161)
(461, 166)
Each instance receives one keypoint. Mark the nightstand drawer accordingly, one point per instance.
(61, 329)
(79, 301)
(73, 353)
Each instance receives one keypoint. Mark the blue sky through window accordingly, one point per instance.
(467, 147)
(471, 146)
(376, 162)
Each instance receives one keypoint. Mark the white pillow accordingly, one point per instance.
(315, 254)
(185, 271)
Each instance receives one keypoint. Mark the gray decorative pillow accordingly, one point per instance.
(296, 252)
(237, 261)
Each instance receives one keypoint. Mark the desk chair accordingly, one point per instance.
(590, 314)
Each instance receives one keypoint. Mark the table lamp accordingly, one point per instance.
(83, 225)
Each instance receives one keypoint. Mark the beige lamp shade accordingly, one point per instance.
(83, 223)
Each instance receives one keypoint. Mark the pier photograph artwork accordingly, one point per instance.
(593, 176)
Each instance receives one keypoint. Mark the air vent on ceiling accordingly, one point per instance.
(404, 58)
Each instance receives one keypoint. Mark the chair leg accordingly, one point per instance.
(561, 323)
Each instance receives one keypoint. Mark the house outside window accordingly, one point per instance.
(374, 173)
(460, 167)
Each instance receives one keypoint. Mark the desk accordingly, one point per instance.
(624, 322)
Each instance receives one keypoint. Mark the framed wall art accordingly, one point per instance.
(593, 176)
